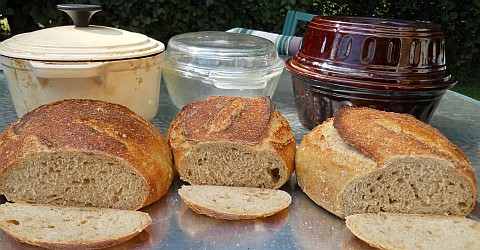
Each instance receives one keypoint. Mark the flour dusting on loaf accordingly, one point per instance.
(368, 161)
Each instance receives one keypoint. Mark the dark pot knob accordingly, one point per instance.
(80, 13)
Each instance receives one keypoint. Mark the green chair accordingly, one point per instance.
(290, 24)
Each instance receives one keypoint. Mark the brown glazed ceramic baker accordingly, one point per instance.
(387, 64)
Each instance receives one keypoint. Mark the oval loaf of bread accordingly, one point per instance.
(84, 153)
(368, 161)
(232, 141)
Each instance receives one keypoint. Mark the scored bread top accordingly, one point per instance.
(224, 118)
(383, 135)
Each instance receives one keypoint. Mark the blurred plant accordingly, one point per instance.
(460, 18)
(161, 19)
(28, 15)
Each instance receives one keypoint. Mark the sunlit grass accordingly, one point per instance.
(468, 81)
(471, 90)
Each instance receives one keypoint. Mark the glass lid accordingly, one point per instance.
(218, 51)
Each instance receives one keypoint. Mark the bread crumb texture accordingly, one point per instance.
(61, 227)
(234, 203)
(227, 164)
(414, 231)
(67, 178)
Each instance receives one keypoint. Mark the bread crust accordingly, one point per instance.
(358, 143)
(370, 130)
(249, 122)
(227, 119)
(92, 127)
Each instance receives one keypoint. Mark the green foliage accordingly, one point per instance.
(29, 15)
(161, 19)
(460, 19)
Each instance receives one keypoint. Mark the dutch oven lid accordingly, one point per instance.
(81, 42)
(373, 53)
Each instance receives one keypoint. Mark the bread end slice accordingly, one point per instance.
(65, 227)
(234, 203)
(415, 231)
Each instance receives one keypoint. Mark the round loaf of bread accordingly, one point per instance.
(232, 141)
(368, 161)
(84, 153)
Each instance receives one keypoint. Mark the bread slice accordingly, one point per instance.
(413, 231)
(84, 153)
(232, 141)
(234, 203)
(369, 161)
(61, 227)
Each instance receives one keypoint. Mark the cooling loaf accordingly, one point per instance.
(369, 161)
(84, 153)
(234, 203)
(63, 227)
(415, 231)
(232, 141)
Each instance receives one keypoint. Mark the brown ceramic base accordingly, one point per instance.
(316, 101)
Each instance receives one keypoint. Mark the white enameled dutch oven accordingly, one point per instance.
(83, 61)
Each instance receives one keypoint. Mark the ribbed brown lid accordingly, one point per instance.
(373, 52)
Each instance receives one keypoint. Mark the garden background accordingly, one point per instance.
(161, 19)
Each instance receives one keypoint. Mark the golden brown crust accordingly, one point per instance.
(222, 118)
(384, 135)
(91, 245)
(281, 139)
(217, 214)
(324, 167)
(96, 127)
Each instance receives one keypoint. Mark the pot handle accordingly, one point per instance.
(80, 13)
(78, 70)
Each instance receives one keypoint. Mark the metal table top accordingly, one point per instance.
(304, 225)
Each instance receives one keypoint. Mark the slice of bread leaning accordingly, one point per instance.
(415, 231)
(84, 153)
(234, 203)
(232, 141)
(368, 161)
(62, 227)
